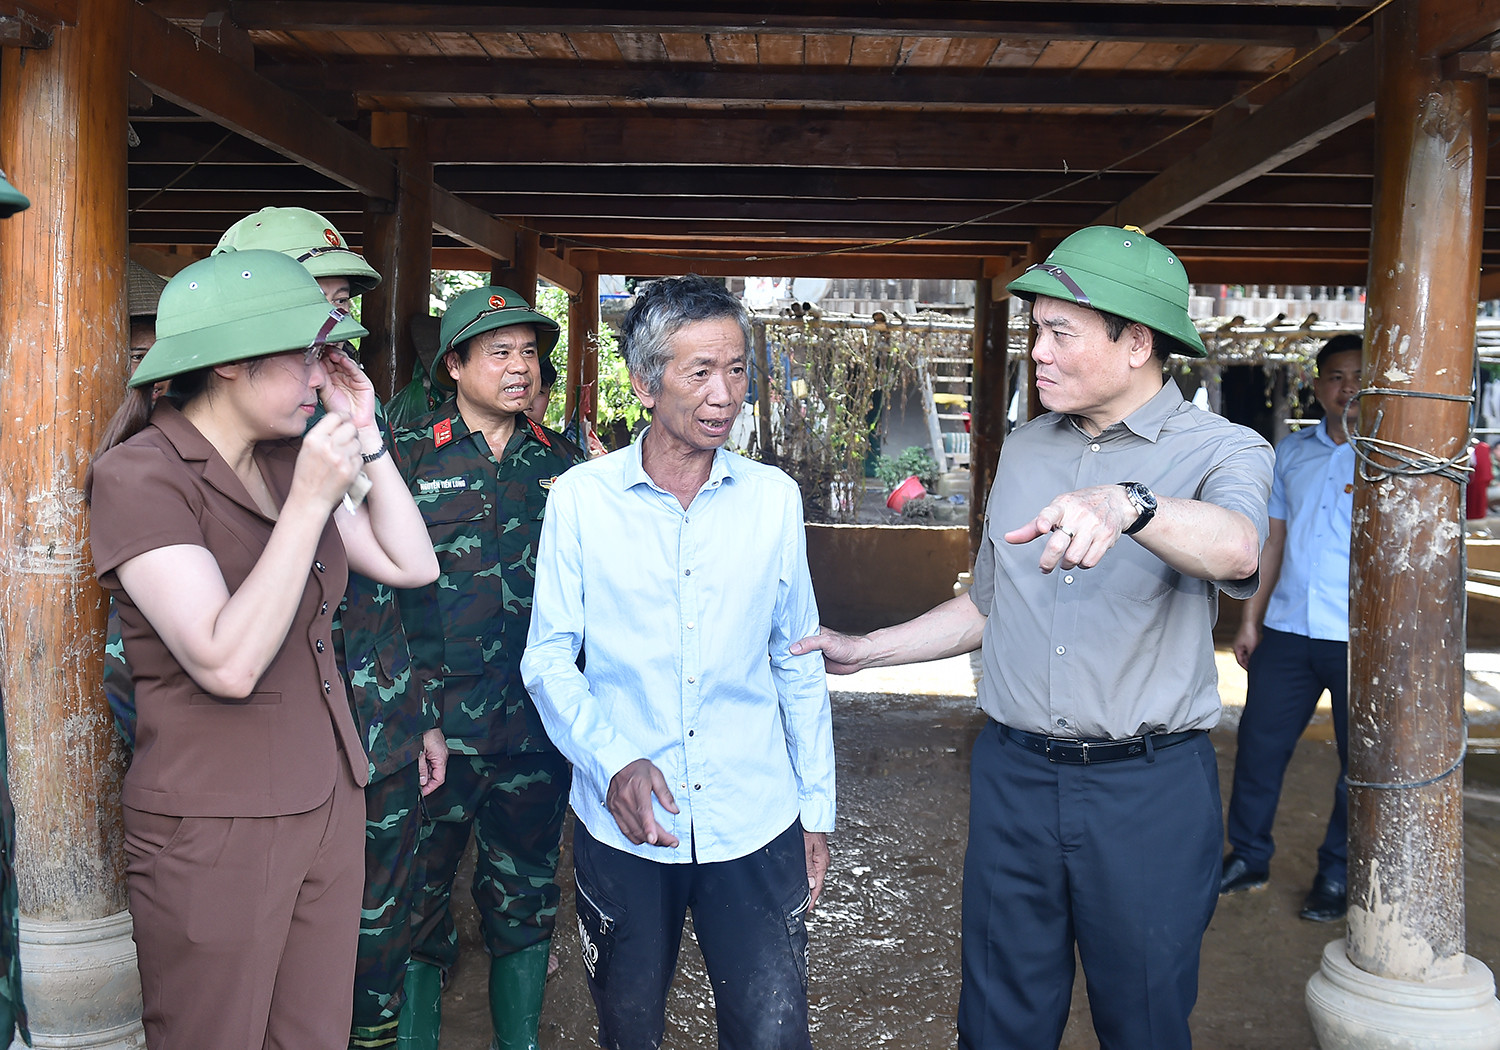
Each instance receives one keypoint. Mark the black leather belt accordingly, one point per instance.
(1071, 751)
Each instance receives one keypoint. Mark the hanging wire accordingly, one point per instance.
(1405, 461)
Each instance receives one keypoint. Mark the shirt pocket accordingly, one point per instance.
(1132, 572)
(456, 525)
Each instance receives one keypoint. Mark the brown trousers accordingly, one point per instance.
(246, 927)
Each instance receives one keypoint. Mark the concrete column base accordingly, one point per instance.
(1355, 1010)
(81, 985)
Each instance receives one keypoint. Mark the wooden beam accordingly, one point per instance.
(806, 139)
(46, 14)
(182, 68)
(740, 182)
(468, 224)
(555, 270)
(1445, 27)
(1205, 23)
(420, 80)
(914, 267)
(1337, 94)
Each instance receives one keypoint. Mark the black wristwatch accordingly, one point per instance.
(1144, 501)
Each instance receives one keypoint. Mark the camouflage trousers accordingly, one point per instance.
(393, 823)
(516, 805)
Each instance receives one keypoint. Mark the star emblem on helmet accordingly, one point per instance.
(496, 302)
(331, 237)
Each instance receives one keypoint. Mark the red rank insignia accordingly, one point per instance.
(442, 433)
(537, 432)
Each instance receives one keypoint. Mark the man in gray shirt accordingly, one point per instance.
(1095, 818)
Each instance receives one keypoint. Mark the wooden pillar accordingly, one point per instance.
(988, 404)
(520, 275)
(398, 243)
(1406, 738)
(1407, 641)
(583, 345)
(765, 385)
(63, 364)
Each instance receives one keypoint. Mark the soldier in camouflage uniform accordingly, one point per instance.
(397, 720)
(12, 1008)
(479, 470)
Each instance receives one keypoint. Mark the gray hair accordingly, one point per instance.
(660, 310)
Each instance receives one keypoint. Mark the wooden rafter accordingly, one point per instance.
(1332, 97)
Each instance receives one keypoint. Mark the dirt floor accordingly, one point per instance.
(884, 940)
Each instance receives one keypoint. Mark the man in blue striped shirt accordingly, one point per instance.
(702, 746)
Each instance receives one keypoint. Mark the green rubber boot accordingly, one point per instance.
(516, 983)
(422, 1011)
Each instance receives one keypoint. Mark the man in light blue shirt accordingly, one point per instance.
(1295, 643)
(702, 747)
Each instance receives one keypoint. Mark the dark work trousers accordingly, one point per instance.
(749, 916)
(1120, 859)
(1288, 672)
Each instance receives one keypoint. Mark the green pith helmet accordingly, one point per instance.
(481, 310)
(1119, 271)
(235, 306)
(12, 200)
(307, 237)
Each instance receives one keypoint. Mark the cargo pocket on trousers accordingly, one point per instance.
(597, 928)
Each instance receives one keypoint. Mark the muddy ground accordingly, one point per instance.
(884, 940)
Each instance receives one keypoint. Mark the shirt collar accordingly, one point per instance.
(725, 467)
(1148, 420)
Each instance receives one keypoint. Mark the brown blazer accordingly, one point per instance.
(199, 755)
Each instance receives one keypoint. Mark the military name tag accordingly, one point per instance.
(427, 486)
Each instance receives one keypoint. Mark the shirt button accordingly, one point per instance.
(683, 785)
(327, 686)
(690, 732)
(319, 566)
(697, 787)
(687, 572)
(1062, 723)
(324, 610)
(691, 679)
(1067, 579)
(691, 625)
(318, 645)
(1061, 649)
(1094, 447)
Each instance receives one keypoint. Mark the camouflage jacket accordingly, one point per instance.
(390, 704)
(467, 631)
(10, 934)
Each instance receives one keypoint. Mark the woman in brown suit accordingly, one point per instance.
(222, 532)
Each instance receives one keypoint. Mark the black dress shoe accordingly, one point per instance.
(1326, 901)
(1239, 876)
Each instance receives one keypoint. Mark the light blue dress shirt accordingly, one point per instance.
(1313, 492)
(686, 618)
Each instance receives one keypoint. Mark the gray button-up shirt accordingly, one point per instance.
(1123, 648)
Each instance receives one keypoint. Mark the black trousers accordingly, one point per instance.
(1288, 672)
(1120, 859)
(748, 915)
